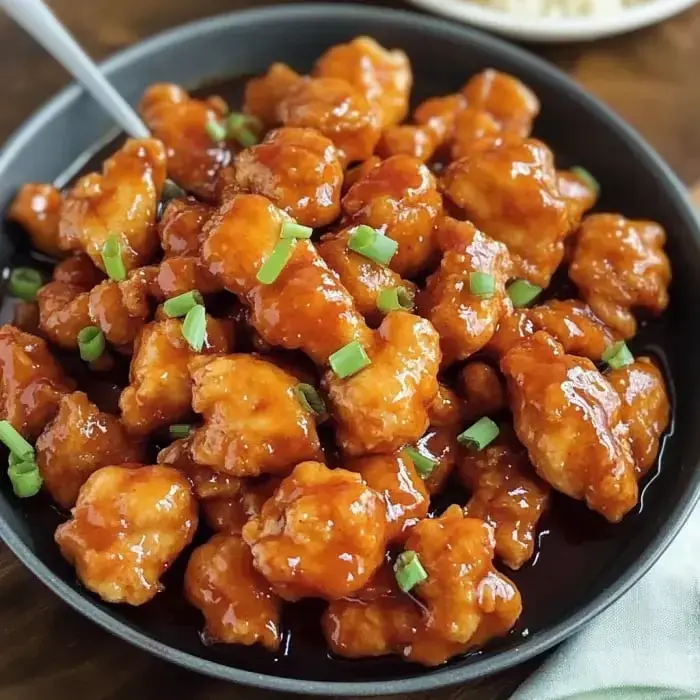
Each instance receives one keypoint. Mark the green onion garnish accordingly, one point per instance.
(180, 430)
(310, 399)
(479, 435)
(408, 570)
(275, 263)
(194, 327)
(618, 355)
(522, 293)
(243, 128)
(370, 243)
(482, 284)
(14, 442)
(179, 306)
(91, 343)
(349, 360)
(583, 174)
(216, 130)
(424, 465)
(395, 299)
(25, 282)
(112, 258)
(291, 229)
(25, 478)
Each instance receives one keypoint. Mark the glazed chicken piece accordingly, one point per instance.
(509, 190)
(473, 131)
(507, 494)
(64, 310)
(418, 142)
(298, 170)
(25, 317)
(160, 391)
(359, 172)
(439, 444)
(181, 274)
(78, 270)
(336, 109)
(385, 406)
(446, 409)
(77, 442)
(439, 115)
(37, 208)
(645, 411)
(399, 198)
(398, 482)
(253, 421)
(237, 603)
(263, 94)
(565, 413)
(580, 192)
(31, 382)
(619, 267)
(180, 122)
(483, 390)
(306, 307)
(323, 534)
(180, 227)
(362, 277)
(384, 77)
(122, 202)
(466, 320)
(130, 523)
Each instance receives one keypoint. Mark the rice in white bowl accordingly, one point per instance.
(560, 8)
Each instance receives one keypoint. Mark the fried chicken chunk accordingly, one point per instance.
(384, 77)
(37, 208)
(509, 190)
(418, 142)
(180, 122)
(385, 405)
(620, 266)
(236, 601)
(298, 170)
(180, 226)
(77, 442)
(439, 444)
(253, 422)
(506, 493)
(398, 482)
(483, 390)
(128, 527)
(399, 198)
(646, 409)
(160, 392)
(306, 307)
(122, 201)
(579, 190)
(263, 94)
(31, 382)
(64, 310)
(322, 534)
(439, 115)
(466, 319)
(565, 413)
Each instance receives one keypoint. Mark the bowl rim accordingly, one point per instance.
(555, 29)
(480, 667)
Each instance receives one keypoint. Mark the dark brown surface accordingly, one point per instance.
(649, 77)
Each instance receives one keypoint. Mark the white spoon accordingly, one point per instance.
(36, 18)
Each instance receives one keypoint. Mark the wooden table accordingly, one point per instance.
(650, 77)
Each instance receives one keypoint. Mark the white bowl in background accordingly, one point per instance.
(556, 29)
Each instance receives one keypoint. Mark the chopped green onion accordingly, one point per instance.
(482, 284)
(14, 442)
(522, 293)
(25, 282)
(395, 299)
(349, 360)
(91, 343)
(112, 258)
(310, 399)
(291, 229)
(587, 178)
(618, 355)
(170, 191)
(408, 570)
(243, 128)
(424, 465)
(479, 435)
(194, 327)
(372, 244)
(216, 130)
(179, 306)
(25, 478)
(180, 430)
(276, 261)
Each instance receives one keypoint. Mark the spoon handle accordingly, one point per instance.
(39, 21)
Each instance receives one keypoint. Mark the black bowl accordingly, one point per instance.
(583, 564)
